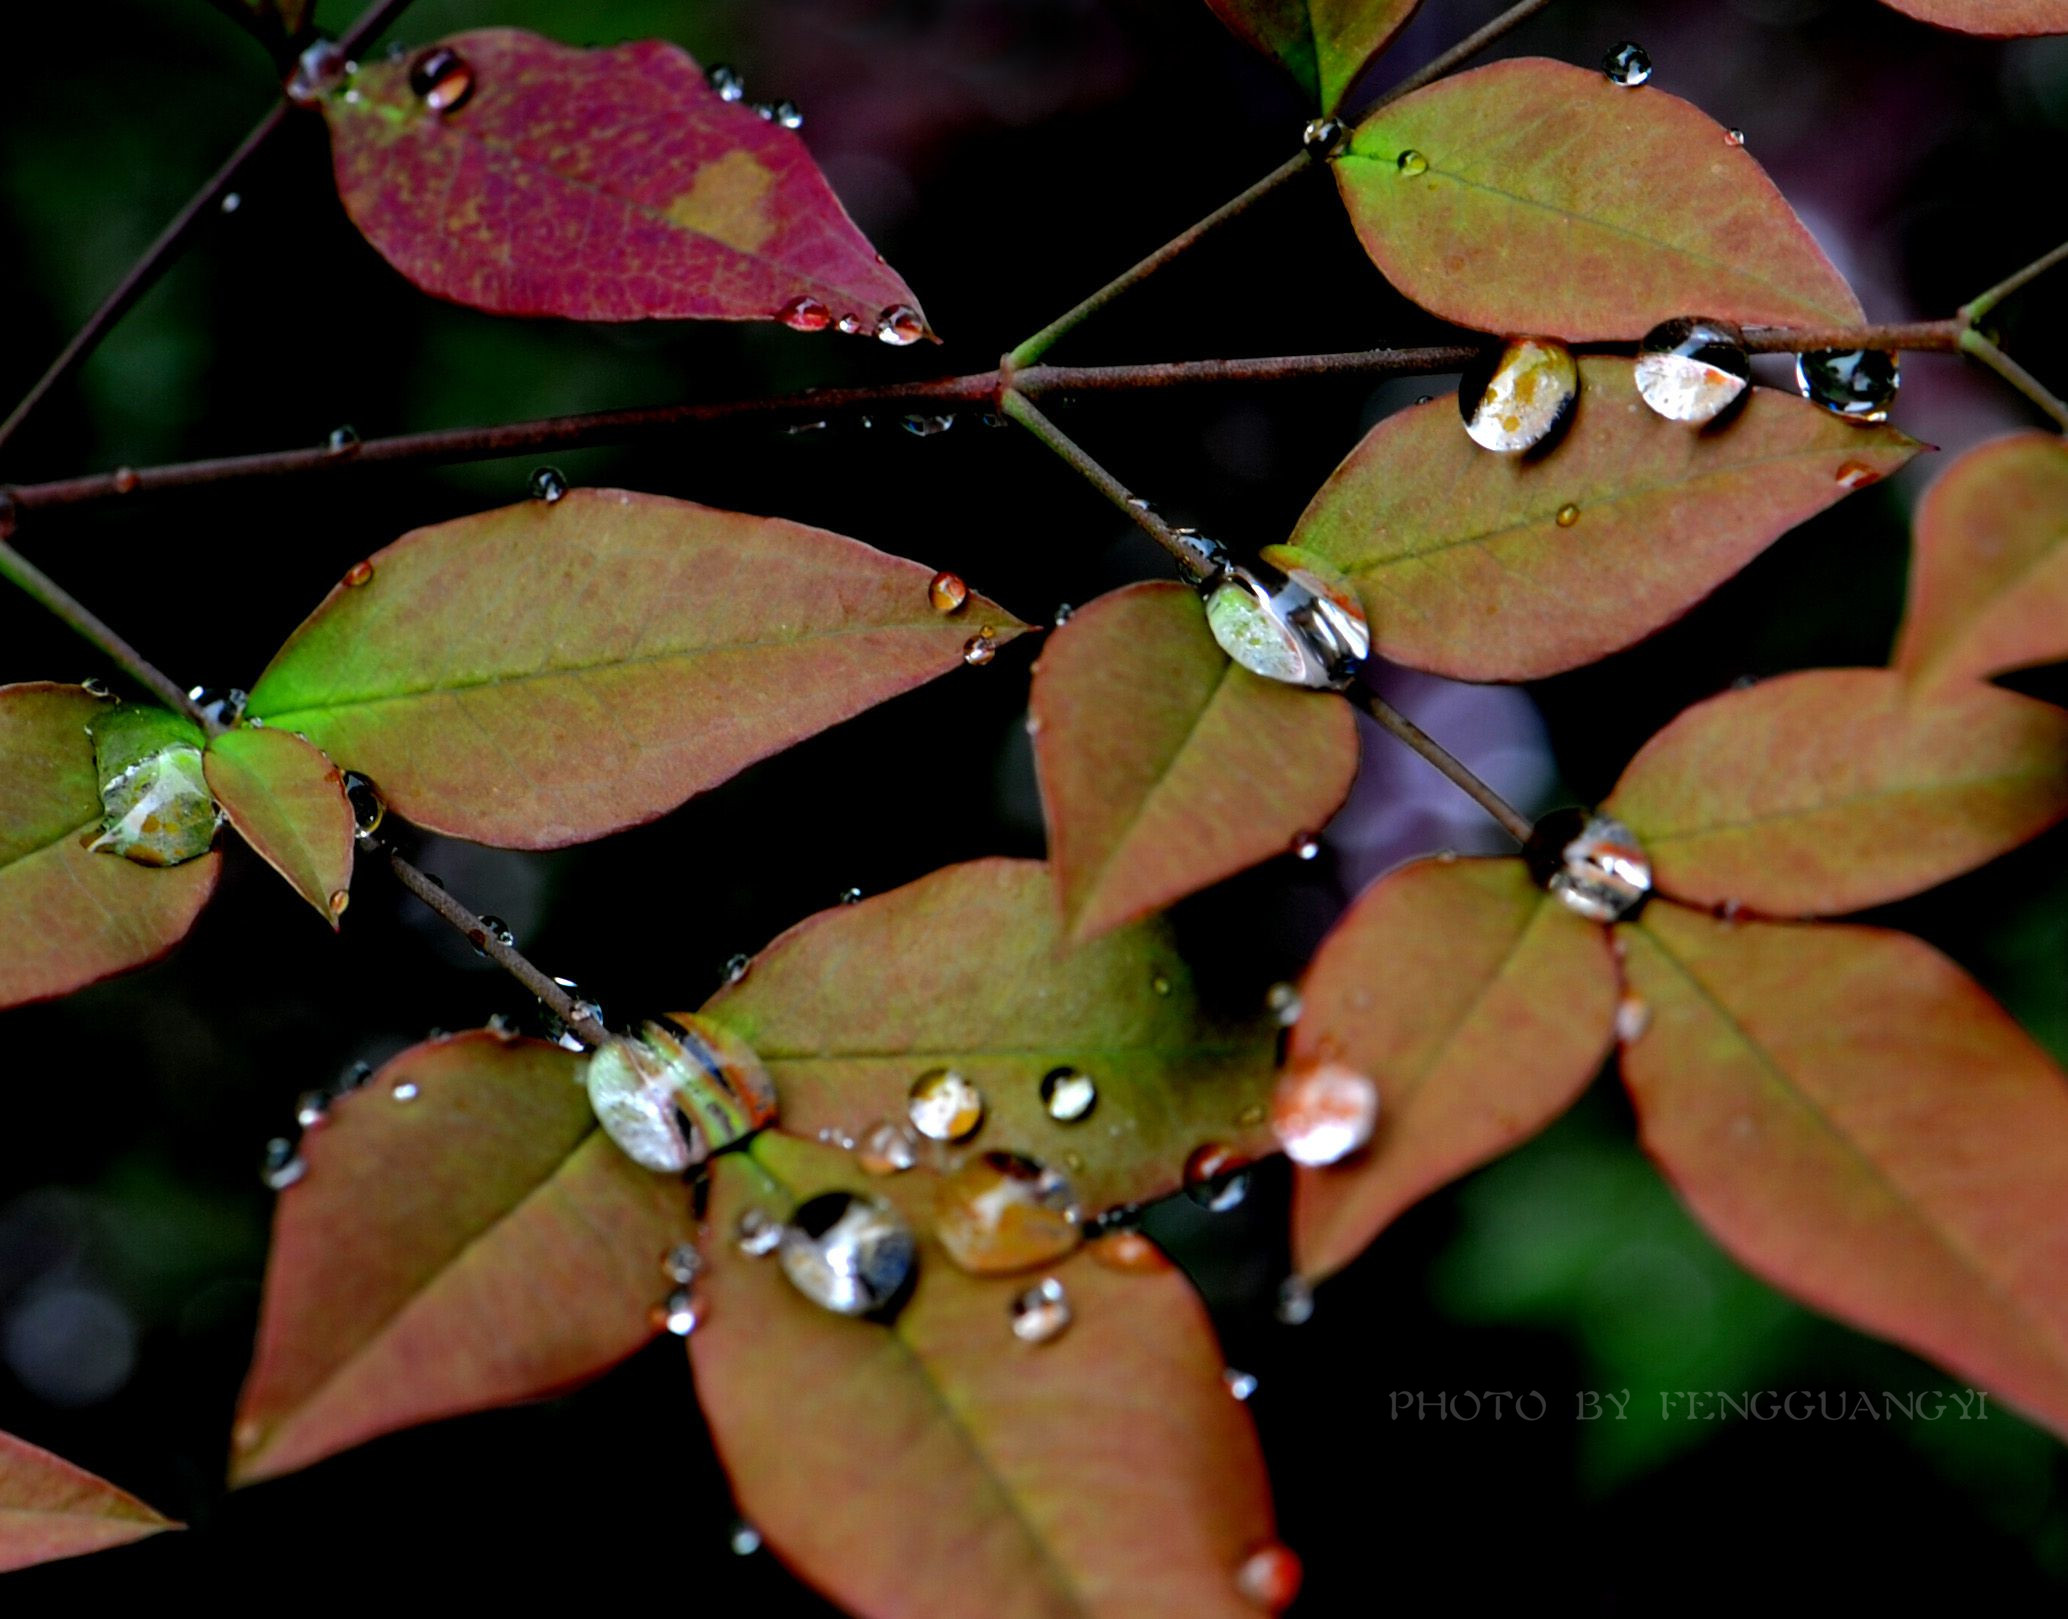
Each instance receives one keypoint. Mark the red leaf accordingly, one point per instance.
(599, 185)
(1479, 1005)
(1989, 587)
(1999, 19)
(1324, 44)
(1835, 789)
(470, 1243)
(1858, 1123)
(1164, 766)
(288, 802)
(51, 1509)
(1555, 203)
(550, 672)
(69, 918)
(937, 1466)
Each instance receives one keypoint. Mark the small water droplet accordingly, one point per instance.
(1568, 515)
(1859, 384)
(1301, 624)
(1159, 984)
(850, 896)
(1519, 396)
(1627, 64)
(403, 1090)
(736, 967)
(358, 574)
(1322, 136)
(805, 315)
(1323, 1112)
(726, 81)
(281, 1164)
(1041, 1314)
(887, 1147)
(1069, 1094)
(677, 1313)
(851, 325)
(548, 484)
(758, 1234)
(369, 809)
(789, 115)
(222, 704)
(1216, 1177)
(849, 1254)
(944, 1105)
(1295, 1306)
(1240, 1384)
(442, 79)
(1424, 399)
(900, 326)
(1591, 862)
(231, 202)
(99, 688)
(1003, 1212)
(1734, 137)
(498, 930)
(1633, 1017)
(980, 648)
(318, 72)
(926, 426)
(745, 1540)
(354, 1076)
(1306, 846)
(125, 480)
(765, 111)
(1693, 368)
(311, 1108)
(682, 1263)
(339, 899)
(1411, 163)
(1856, 475)
(946, 592)
(1269, 1578)
(1129, 1252)
(1282, 1001)
(1062, 614)
(343, 440)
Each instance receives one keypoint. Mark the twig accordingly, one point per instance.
(1924, 336)
(1975, 344)
(1459, 54)
(1973, 311)
(1192, 556)
(1512, 820)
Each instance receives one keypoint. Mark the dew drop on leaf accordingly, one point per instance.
(676, 1090)
(1269, 1578)
(1301, 623)
(726, 81)
(758, 1233)
(852, 326)
(1856, 475)
(745, 1540)
(442, 79)
(1306, 846)
(887, 1147)
(281, 1164)
(1734, 137)
(849, 1254)
(403, 1090)
(1003, 1212)
(1627, 64)
(1041, 1314)
(222, 704)
(945, 592)
(1858, 383)
(1295, 1307)
(1411, 163)
(944, 1105)
(681, 1264)
(677, 1313)
(1633, 1017)
(358, 574)
(980, 648)
(369, 809)
(805, 314)
(548, 484)
(1062, 614)
(1282, 1001)
(1216, 1177)
(311, 1108)
(1568, 515)
(339, 899)
(1323, 1112)
(1069, 1094)
(900, 326)
(156, 809)
(737, 967)
(1594, 864)
(1240, 1384)
(1519, 396)
(788, 114)
(1692, 369)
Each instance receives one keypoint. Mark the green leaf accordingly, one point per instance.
(550, 672)
(1324, 44)
(1558, 204)
(1465, 569)
(1998, 19)
(1858, 1123)
(1479, 1005)
(288, 802)
(610, 184)
(935, 1465)
(1835, 789)
(968, 969)
(1165, 767)
(51, 1509)
(1989, 585)
(465, 1244)
(69, 917)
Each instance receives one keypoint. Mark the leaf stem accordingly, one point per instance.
(1979, 347)
(1920, 336)
(1459, 54)
(1513, 821)
(1973, 311)
(1024, 411)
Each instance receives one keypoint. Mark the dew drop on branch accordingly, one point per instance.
(1693, 368)
(1519, 396)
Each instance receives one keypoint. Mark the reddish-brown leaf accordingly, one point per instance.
(51, 1509)
(1989, 583)
(1165, 767)
(547, 673)
(467, 1243)
(2000, 19)
(935, 1465)
(1551, 201)
(1857, 1122)
(1835, 789)
(599, 185)
(968, 969)
(1466, 570)
(67, 917)
(1479, 1005)
(1324, 44)
(288, 802)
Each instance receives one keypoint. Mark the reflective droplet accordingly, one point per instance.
(682, 1263)
(1568, 515)
(946, 592)
(231, 202)
(1858, 383)
(1292, 617)
(318, 72)
(1306, 847)
(765, 111)
(1734, 137)
(1003, 1212)
(1129, 1252)
(745, 1540)
(852, 326)
(1519, 396)
(1633, 1017)
(1295, 1306)
(1159, 984)
(758, 1234)
(358, 574)
(1322, 136)
(900, 326)
(125, 480)
(1857, 475)
(1042, 1313)
(726, 81)
(679, 1089)
(1628, 64)
(887, 1147)
(926, 426)
(311, 1108)
(677, 1313)
(442, 79)
(1282, 1001)
(1323, 1112)
(1240, 1384)
(99, 688)
(1269, 1578)
(1069, 1094)
(850, 896)
(403, 1090)
(979, 649)
(1216, 1177)
(1411, 163)
(944, 1106)
(342, 441)
(339, 899)
(736, 967)
(1592, 863)
(494, 927)
(1693, 369)
(805, 315)
(1062, 614)
(156, 809)
(789, 115)
(281, 1164)
(848, 1254)
(222, 704)
(369, 809)
(548, 484)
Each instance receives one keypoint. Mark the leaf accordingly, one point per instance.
(1999, 19)
(550, 672)
(608, 184)
(69, 918)
(1558, 204)
(967, 968)
(1324, 44)
(1164, 766)
(1858, 1123)
(1479, 1005)
(937, 1466)
(1465, 570)
(1835, 789)
(1989, 587)
(288, 802)
(478, 1243)
(51, 1509)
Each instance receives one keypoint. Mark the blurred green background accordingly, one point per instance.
(1007, 155)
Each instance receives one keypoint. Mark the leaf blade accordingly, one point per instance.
(1994, 19)
(50, 1509)
(288, 802)
(1324, 44)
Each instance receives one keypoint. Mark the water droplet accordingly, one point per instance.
(677, 1313)
(1042, 1313)
(281, 1164)
(1295, 1301)
(1240, 1384)
(1628, 64)
(1411, 163)
(805, 315)
(311, 1108)
(980, 648)
(369, 809)
(548, 484)
(1568, 515)
(442, 79)
(759, 1233)
(924, 426)
(736, 967)
(946, 592)
(887, 1147)
(681, 1087)
(343, 440)
(1252, 1114)
(358, 574)
(1633, 1017)
(745, 1541)
(1857, 475)
(726, 81)
(852, 326)
(222, 704)
(1734, 137)
(1216, 1177)
(1159, 985)
(1069, 1094)
(765, 111)
(125, 480)
(682, 1263)
(231, 202)
(354, 1076)
(849, 1254)
(1858, 383)
(945, 1106)
(789, 114)
(850, 896)
(494, 927)
(1519, 396)
(1003, 1212)
(1269, 1578)
(1062, 614)
(1129, 1252)
(403, 1090)
(1693, 369)
(1322, 136)
(1290, 618)
(1323, 1112)
(1282, 1001)
(1306, 846)
(156, 809)
(339, 899)
(99, 688)
(318, 72)
(1592, 863)
(900, 326)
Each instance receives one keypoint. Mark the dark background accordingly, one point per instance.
(1007, 155)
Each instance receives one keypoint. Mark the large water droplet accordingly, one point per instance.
(442, 79)
(1041, 1314)
(944, 1105)
(726, 81)
(1069, 1094)
(1291, 617)
(1858, 383)
(281, 1164)
(318, 72)
(1628, 64)
(805, 315)
(1269, 1577)
(887, 1147)
(852, 1255)
(900, 326)
(548, 484)
(1592, 863)
(1323, 1112)
(1322, 136)
(369, 809)
(758, 1233)
(1216, 1177)
(679, 1089)
(946, 593)
(1520, 395)
(222, 704)
(1693, 368)
(1002, 1212)
(156, 809)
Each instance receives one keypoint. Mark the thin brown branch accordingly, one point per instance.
(1926, 336)
(1187, 551)
(1513, 821)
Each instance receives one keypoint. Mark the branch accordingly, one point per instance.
(1921, 336)
(1975, 344)
(1973, 311)
(1512, 820)
(1461, 53)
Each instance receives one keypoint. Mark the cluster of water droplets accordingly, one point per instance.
(731, 87)
(899, 325)
(281, 1163)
